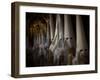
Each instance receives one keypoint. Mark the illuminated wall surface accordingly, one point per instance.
(56, 39)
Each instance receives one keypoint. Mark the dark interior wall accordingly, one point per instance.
(85, 19)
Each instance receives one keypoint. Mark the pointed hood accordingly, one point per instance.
(68, 31)
(80, 34)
